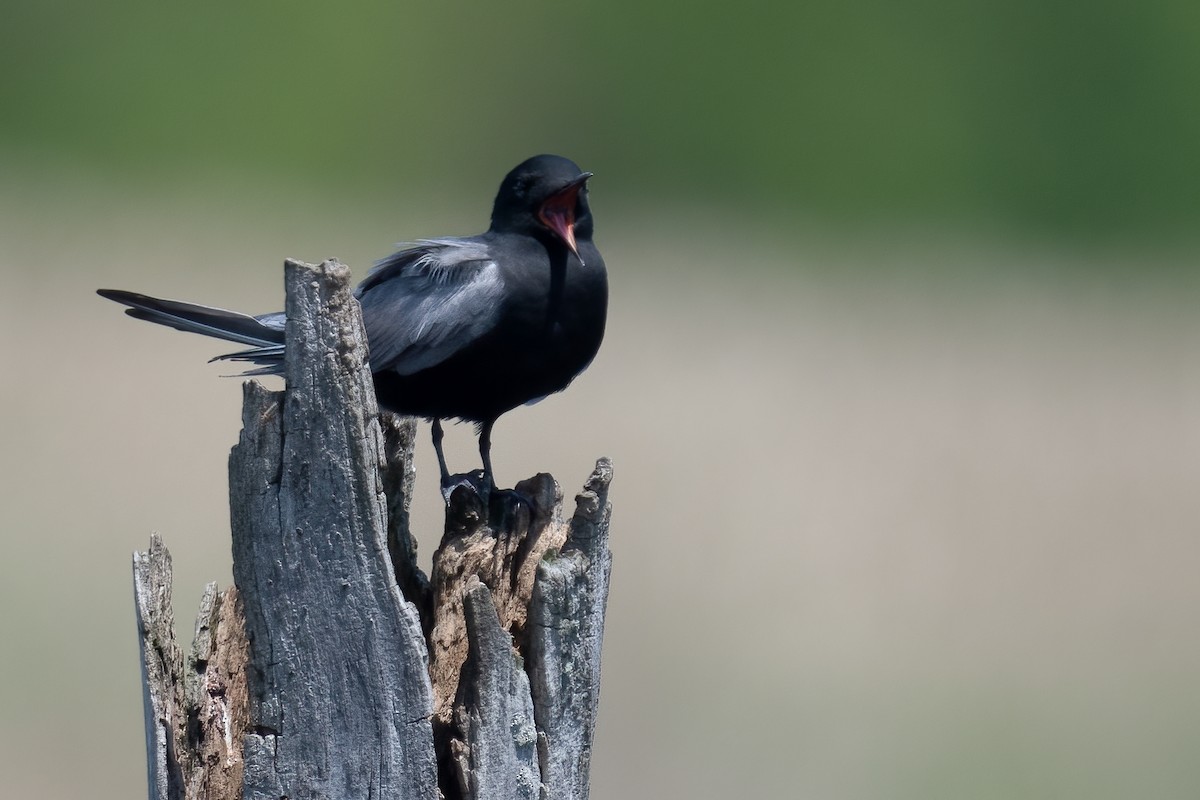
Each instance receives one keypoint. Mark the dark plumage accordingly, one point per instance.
(463, 327)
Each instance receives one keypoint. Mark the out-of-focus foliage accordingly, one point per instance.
(1067, 118)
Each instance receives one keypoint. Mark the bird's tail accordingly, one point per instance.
(263, 333)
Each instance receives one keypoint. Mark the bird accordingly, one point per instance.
(459, 327)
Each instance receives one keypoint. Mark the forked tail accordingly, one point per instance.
(263, 333)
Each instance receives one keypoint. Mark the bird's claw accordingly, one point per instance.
(472, 480)
(512, 499)
(503, 501)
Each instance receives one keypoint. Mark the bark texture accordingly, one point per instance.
(500, 547)
(566, 631)
(526, 600)
(196, 707)
(339, 687)
(335, 669)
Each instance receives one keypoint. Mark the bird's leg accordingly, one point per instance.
(504, 499)
(437, 446)
(485, 452)
(449, 482)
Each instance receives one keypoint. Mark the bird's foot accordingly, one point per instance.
(473, 481)
(511, 499)
(502, 502)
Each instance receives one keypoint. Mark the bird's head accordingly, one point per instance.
(545, 195)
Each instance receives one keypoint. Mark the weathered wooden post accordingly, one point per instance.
(334, 668)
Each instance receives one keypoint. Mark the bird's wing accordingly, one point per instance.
(426, 303)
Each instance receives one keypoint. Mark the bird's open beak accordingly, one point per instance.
(558, 212)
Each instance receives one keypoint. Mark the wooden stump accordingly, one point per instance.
(335, 669)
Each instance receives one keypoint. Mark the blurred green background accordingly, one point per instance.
(900, 381)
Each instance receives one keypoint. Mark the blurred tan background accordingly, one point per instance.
(900, 384)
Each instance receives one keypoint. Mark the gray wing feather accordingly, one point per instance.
(269, 357)
(424, 304)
